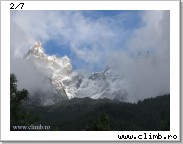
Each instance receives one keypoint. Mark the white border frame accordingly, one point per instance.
(173, 6)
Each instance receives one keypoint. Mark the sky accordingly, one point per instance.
(84, 36)
(137, 43)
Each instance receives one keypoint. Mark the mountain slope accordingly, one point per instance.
(68, 84)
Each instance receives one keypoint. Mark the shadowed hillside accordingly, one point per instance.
(104, 114)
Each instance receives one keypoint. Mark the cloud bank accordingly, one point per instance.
(139, 49)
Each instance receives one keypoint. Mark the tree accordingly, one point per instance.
(102, 123)
(17, 97)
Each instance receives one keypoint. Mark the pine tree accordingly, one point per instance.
(18, 116)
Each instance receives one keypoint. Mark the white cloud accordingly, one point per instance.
(146, 63)
(72, 28)
(103, 39)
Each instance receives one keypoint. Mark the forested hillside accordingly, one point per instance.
(103, 114)
(86, 114)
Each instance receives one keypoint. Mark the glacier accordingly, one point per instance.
(67, 83)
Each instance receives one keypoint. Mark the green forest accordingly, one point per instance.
(86, 114)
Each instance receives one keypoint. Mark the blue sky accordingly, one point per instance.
(117, 21)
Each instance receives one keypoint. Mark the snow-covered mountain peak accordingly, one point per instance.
(69, 84)
(57, 65)
(51, 67)
(37, 49)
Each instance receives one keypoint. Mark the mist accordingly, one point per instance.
(27, 75)
(146, 65)
(140, 55)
